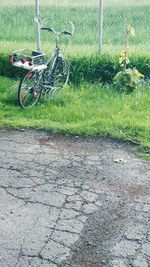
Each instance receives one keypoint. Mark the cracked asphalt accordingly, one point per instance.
(72, 202)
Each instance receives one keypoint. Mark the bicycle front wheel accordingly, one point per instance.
(60, 74)
(29, 90)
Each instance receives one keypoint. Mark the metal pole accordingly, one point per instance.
(101, 19)
(37, 20)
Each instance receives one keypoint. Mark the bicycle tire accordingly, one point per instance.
(60, 74)
(54, 79)
(29, 91)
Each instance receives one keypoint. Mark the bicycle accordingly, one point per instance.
(43, 77)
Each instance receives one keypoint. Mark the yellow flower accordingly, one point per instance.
(131, 30)
(123, 58)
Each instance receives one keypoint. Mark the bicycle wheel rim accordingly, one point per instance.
(61, 73)
(29, 93)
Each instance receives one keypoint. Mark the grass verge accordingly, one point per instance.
(19, 18)
(87, 109)
(75, 50)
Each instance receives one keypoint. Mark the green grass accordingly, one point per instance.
(74, 49)
(84, 110)
(17, 24)
(76, 2)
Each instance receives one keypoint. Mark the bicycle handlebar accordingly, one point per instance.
(65, 32)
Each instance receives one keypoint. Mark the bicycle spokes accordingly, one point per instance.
(29, 90)
(61, 73)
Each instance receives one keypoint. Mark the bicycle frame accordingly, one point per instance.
(53, 57)
(55, 53)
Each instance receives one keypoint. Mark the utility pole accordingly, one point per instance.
(101, 20)
(37, 20)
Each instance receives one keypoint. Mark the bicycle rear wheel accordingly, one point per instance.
(29, 90)
(60, 74)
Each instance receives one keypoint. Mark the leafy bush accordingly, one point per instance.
(8, 70)
(128, 79)
(93, 68)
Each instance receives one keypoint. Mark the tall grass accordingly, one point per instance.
(87, 109)
(17, 22)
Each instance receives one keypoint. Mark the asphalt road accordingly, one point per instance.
(72, 202)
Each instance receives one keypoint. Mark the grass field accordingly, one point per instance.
(87, 109)
(17, 23)
(75, 2)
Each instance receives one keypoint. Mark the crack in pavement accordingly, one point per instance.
(70, 203)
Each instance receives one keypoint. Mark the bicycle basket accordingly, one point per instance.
(27, 59)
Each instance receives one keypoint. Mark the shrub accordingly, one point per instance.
(128, 79)
(93, 68)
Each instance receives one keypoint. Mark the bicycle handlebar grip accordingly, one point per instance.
(67, 33)
(47, 29)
